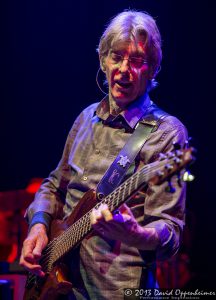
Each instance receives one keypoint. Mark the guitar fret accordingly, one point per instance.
(127, 190)
(123, 193)
(117, 196)
(120, 194)
(137, 179)
(109, 201)
(59, 246)
(73, 235)
(82, 226)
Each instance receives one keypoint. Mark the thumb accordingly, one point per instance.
(125, 210)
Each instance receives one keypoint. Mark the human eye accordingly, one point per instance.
(138, 61)
(116, 57)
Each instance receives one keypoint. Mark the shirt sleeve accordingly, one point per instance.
(163, 210)
(50, 197)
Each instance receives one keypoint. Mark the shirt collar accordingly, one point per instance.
(132, 114)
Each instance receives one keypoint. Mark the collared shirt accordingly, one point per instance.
(107, 267)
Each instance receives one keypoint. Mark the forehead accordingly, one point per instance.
(130, 46)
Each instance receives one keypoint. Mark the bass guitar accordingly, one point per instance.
(66, 235)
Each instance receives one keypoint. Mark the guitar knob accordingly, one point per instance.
(176, 146)
(162, 156)
(188, 177)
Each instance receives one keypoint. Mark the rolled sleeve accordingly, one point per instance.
(50, 197)
(164, 211)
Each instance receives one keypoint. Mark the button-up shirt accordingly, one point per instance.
(96, 138)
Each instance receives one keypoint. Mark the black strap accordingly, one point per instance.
(126, 156)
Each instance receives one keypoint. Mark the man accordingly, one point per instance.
(122, 250)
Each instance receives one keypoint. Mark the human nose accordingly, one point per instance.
(124, 65)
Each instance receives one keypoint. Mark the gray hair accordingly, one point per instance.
(133, 25)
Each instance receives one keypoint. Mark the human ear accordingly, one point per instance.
(154, 71)
(151, 73)
(102, 64)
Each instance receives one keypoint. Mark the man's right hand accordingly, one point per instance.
(33, 245)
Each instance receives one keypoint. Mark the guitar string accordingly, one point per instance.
(32, 276)
(87, 216)
(128, 184)
(79, 234)
(146, 170)
(115, 200)
(111, 194)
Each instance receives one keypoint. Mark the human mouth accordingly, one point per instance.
(123, 84)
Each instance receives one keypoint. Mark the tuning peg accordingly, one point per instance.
(169, 188)
(169, 167)
(177, 160)
(187, 143)
(176, 146)
(160, 173)
(179, 153)
(162, 156)
(187, 176)
(170, 154)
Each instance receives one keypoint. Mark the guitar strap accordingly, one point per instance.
(116, 172)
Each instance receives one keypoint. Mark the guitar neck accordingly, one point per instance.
(154, 173)
(76, 232)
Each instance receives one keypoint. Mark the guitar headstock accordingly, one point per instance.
(172, 163)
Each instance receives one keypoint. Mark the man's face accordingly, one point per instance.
(127, 72)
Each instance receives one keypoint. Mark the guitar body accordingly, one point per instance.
(65, 236)
(56, 282)
(51, 287)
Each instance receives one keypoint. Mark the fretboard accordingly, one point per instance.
(76, 232)
(154, 173)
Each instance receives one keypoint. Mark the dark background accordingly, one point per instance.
(48, 68)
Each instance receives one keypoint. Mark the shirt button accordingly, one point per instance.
(97, 151)
(84, 178)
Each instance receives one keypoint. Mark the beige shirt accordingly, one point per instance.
(107, 267)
